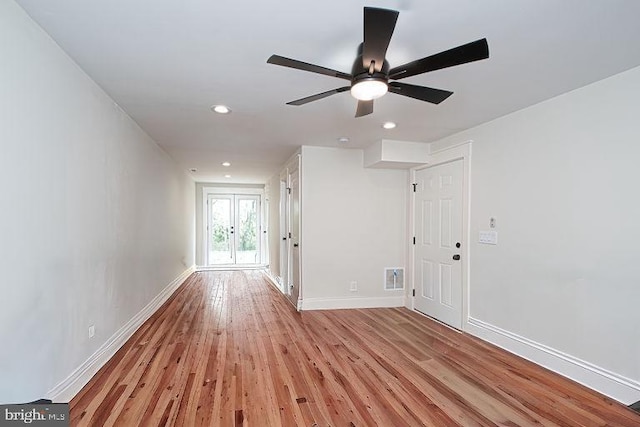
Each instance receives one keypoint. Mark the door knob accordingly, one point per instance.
(456, 257)
(295, 245)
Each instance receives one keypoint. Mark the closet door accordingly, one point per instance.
(438, 246)
(284, 232)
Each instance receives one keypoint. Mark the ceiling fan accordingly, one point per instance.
(371, 76)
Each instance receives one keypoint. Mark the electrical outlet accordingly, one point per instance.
(92, 331)
(353, 287)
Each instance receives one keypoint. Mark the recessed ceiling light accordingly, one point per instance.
(343, 140)
(226, 164)
(388, 125)
(221, 109)
(227, 176)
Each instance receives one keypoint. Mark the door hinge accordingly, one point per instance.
(289, 190)
(414, 240)
(414, 292)
(415, 184)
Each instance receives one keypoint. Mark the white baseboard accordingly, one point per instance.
(354, 302)
(616, 386)
(70, 386)
(276, 281)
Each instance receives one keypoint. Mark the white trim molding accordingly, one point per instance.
(616, 386)
(70, 386)
(276, 281)
(338, 303)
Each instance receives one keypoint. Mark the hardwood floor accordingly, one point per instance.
(228, 350)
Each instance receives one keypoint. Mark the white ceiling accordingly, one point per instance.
(167, 61)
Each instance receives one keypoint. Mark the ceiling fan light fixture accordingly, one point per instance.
(369, 89)
(370, 72)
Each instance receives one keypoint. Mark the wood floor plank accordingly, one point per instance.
(227, 349)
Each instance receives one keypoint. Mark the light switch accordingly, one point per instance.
(488, 237)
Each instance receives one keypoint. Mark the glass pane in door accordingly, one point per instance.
(248, 238)
(220, 231)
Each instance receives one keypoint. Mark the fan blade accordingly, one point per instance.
(428, 94)
(364, 108)
(318, 96)
(378, 29)
(299, 65)
(469, 52)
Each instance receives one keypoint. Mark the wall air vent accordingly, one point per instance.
(393, 278)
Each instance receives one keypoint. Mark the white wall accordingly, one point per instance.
(95, 220)
(353, 226)
(562, 178)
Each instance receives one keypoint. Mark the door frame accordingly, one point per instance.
(247, 191)
(461, 151)
(294, 246)
(286, 245)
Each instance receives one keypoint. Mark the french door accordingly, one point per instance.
(233, 229)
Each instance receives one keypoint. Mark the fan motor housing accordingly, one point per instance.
(365, 76)
(360, 68)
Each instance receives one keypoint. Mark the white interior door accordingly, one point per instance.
(293, 291)
(233, 229)
(438, 232)
(284, 234)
